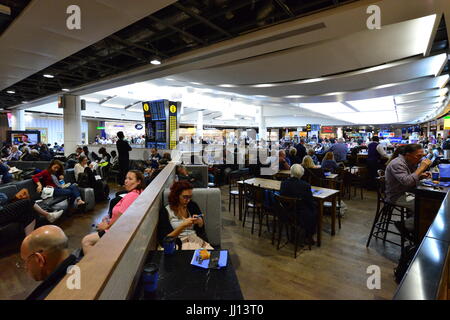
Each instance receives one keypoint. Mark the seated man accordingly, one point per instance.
(183, 174)
(403, 175)
(46, 258)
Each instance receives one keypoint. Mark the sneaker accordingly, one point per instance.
(53, 216)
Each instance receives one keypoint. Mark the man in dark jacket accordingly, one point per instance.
(123, 149)
(295, 187)
(301, 150)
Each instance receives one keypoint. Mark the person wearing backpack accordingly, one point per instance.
(83, 173)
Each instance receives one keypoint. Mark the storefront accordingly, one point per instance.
(130, 129)
(327, 132)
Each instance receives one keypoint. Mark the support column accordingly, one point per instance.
(262, 130)
(199, 132)
(18, 120)
(72, 123)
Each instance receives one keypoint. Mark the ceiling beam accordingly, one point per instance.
(132, 44)
(187, 34)
(202, 19)
(285, 8)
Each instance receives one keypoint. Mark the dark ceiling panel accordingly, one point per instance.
(183, 26)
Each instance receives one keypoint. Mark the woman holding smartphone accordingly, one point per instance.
(182, 219)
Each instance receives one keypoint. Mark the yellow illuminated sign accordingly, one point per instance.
(146, 107)
(446, 124)
(173, 108)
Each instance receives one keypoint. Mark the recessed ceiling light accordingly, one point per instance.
(10, 91)
(155, 61)
(24, 101)
(264, 85)
(66, 90)
(50, 76)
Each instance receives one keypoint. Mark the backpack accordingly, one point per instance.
(404, 262)
(101, 190)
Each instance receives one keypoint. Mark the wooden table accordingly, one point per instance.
(275, 185)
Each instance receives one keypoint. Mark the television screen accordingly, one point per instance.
(29, 137)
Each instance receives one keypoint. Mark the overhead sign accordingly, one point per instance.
(308, 127)
(139, 126)
(447, 123)
(327, 129)
(100, 128)
(173, 125)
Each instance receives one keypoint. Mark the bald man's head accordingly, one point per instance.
(42, 251)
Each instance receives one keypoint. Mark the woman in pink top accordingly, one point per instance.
(134, 184)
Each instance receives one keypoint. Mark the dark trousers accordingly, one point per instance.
(20, 211)
(124, 166)
(373, 166)
(72, 192)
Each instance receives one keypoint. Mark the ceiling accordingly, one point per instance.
(9, 10)
(303, 60)
(175, 29)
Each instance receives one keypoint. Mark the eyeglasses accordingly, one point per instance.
(23, 264)
(187, 197)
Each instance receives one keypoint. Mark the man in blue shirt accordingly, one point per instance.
(339, 150)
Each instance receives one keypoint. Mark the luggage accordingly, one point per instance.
(101, 190)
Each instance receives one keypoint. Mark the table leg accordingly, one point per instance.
(319, 224)
(240, 201)
(333, 216)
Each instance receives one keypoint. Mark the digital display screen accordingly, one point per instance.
(160, 128)
(20, 137)
(327, 130)
(157, 110)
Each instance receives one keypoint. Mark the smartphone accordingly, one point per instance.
(200, 216)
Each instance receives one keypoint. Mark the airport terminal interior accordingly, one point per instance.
(224, 150)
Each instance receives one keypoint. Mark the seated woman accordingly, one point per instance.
(180, 219)
(104, 155)
(50, 178)
(313, 173)
(15, 154)
(308, 162)
(328, 163)
(313, 156)
(24, 211)
(295, 187)
(83, 167)
(134, 185)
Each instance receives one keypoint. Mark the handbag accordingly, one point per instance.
(47, 192)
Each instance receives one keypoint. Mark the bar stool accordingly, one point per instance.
(233, 193)
(253, 199)
(383, 217)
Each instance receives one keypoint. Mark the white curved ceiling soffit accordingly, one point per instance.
(39, 37)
